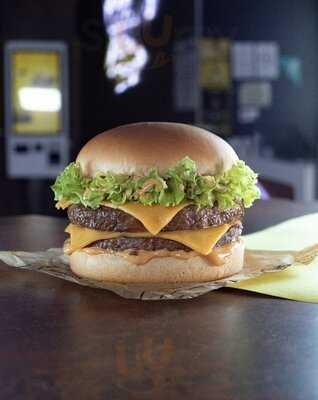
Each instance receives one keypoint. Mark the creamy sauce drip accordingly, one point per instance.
(217, 257)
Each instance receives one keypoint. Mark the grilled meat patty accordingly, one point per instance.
(191, 217)
(156, 243)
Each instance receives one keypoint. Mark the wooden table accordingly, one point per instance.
(59, 340)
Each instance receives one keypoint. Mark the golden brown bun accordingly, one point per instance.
(135, 148)
(114, 268)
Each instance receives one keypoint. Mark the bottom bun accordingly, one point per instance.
(115, 268)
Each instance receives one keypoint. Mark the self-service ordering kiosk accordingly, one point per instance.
(36, 108)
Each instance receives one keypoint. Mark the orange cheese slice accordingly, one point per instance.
(154, 218)
(201, 240)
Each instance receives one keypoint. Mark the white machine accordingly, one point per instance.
(36, 108)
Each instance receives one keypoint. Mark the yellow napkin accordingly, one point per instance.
(298, 282)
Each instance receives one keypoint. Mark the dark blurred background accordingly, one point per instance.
(71, 69)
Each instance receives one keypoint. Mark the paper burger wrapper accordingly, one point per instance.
(290, 246)
(54, 262)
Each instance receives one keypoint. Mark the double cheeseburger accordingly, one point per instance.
(155, 202)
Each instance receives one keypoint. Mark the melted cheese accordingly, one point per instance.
(154, 218)
(201, 240)
(82, 237)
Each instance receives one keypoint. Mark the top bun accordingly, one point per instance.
(134, 148)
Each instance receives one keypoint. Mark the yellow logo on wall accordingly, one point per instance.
(36, 94)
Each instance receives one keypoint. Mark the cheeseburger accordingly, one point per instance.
(155, 202)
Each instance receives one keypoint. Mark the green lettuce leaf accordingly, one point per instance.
(180, 183)
(149, 188)
(70, 185)
(239, 183)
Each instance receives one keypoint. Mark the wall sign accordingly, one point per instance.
(257, 94)
(252, 60)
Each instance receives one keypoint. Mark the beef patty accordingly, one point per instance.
(191, 217)
(156, 243)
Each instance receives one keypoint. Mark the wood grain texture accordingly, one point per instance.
(59, 340)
